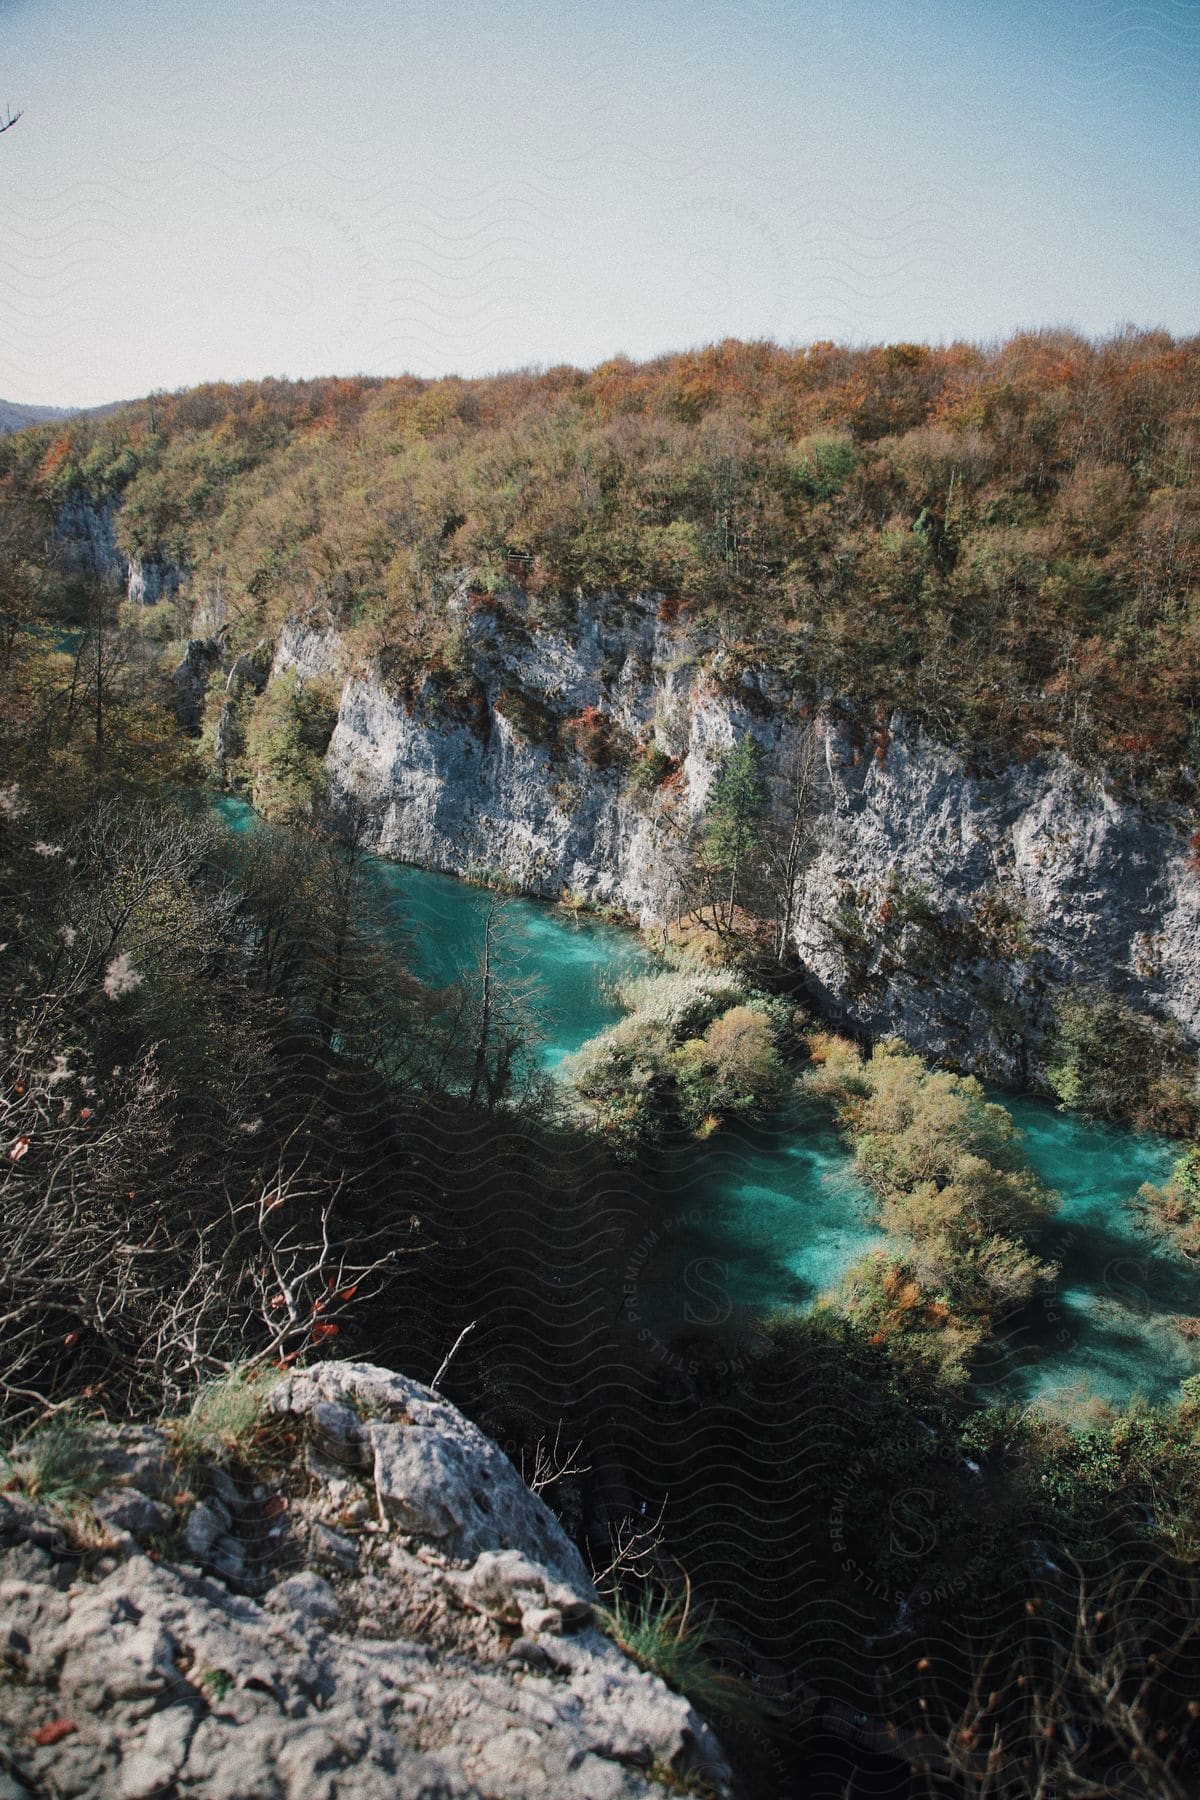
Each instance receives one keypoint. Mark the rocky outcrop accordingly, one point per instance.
(190, 680)
(941, 903)
(384, 1610)
(86, 535)
(150, 579)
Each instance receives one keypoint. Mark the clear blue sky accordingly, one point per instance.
(230, 188)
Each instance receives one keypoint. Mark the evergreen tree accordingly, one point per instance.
(733, 826)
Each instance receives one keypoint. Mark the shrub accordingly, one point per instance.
(597, 737)
(1105, 1057)
(659, 1632)
(954, 1194)
(694, 1049)
(734, 1069)
(650, 767)
(531, 720)
(1173, 1212)
(287, 735)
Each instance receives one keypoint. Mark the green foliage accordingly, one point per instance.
(648, 769)
(1105, 1057)
(974, 537)
(734, 815)
(733, 1071)
(57, 1463)
(224, 1419)
(658, 1631)
(695, 1048)
(823, 464)
(955, 1195)
(1173, 1212)
(287, 735)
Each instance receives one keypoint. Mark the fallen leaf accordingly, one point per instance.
(51, 1733)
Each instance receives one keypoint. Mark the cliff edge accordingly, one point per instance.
(356, 1594)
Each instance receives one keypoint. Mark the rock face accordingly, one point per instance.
(942, 904)
(86, 533)
(393, 1614)
(190, 680)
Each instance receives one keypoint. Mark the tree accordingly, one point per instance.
(733, 824)
(503, 1026)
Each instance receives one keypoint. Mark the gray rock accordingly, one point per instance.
(509, 1586)
(191, 678)
(157, 1760)
(177, 1685)
(1105, 887)
(334, 1550)
(224, 1488)
(307, 1594)
(152, 578)
(436, 1474)
(126, 1509)
(245, 671)
(204, 1525)
(339, 1434)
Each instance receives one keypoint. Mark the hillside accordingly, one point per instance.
(1002, 543)
(15, 417)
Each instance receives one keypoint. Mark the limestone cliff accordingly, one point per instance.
(367, 1602)
(943, 904)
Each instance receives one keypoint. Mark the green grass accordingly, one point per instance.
(224, 1419)
(56, 1463)
(659, 1632)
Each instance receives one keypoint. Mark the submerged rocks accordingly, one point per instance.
(441, 1651)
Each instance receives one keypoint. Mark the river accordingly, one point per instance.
(769, 1216)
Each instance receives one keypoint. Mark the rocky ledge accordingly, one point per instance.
(372, 1603)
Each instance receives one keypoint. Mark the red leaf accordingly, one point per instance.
(278, 1300)
(349, 1293)
(72, 1337)
(18, 1148)
(323, 1329)
(50, 1734)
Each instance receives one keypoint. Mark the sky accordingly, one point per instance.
(221, 189)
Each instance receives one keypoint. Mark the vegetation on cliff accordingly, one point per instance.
(1001, 542)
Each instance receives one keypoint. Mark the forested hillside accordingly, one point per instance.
(1003, 543)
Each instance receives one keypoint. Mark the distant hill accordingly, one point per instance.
(15, 418)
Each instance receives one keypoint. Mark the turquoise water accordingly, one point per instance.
(571, 963)
(771, 1215)
(1106, 1330)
